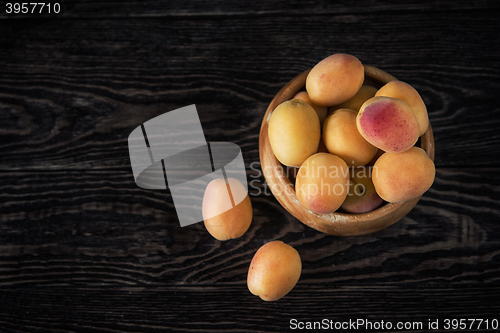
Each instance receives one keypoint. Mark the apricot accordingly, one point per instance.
(335, 79)
(274, 271)
(294, 132)
(362, 197)
(403, 176)
(354, 103)
(405, 92)
(320, 110)
(322, 183)
(342, 138)
(224, 218)
(388, 124)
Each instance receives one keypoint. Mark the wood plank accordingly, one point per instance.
(194, 9)
(82, 248)
(72, 91)
(95, 227)
(219, 308)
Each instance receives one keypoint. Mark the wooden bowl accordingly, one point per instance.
(337, 223)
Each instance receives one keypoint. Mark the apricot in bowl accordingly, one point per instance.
(339, 222)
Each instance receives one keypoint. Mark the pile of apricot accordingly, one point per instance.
(354, 144)
(354, 147)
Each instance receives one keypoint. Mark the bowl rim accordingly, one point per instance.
(336, 223)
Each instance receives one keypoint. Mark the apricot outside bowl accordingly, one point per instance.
(337, 223)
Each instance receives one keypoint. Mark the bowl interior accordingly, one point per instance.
(337, 223)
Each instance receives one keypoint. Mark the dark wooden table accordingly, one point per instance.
(84, 249)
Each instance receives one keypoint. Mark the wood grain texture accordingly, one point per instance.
(84, 249)
(212, 309)
(194, 9)
(98, 228)
(71, 91)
